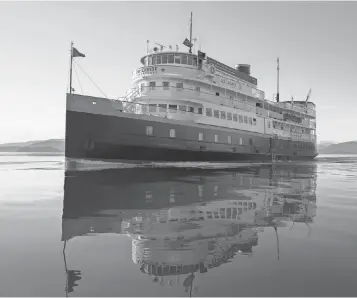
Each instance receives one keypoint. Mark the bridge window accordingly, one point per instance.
(216, 138)
(240, 119)
(177, 59)
(209, 112)
(200, 136)
(166, 85)
(162, 107)
(158, 59)
(216, 113)
(184, 59)
(182, 109)
(149, 130)
(200, 111)
(191, 109)
(235, 118)
(173, 108)
(229, 116)
(189, 60)
(217, 93)
(172, 133)
(194, 61)
(245, 119)
(150, 61)
(179, 85)
(152, 108)
(154, 60)
(223, 115)
(164, 59)
(152, 85)
(170, 58)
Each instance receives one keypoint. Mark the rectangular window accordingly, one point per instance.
(170, 59)
(173, 108)
(166, 85)
(152, 85)
(158, 59)
(152, 108)
(217, 93)
(172, 133)
(200, 111)
(189, 60)
(177, 59)
(200, 136)
(197, 89)
(209, 112)
(223, 115)
(191, 109)
(229, 116)
(162, 107)
(250, 121)
(240, 141)
(179, 85)
(216, 113)
(240, 119)
(144, 109)
(183, 59)
(194, 61)
(245, 119)
(164, 59)
(254, 121)
(235, 118)
(154, 60)
(149, 130)
(229, 140)
(216, 138)
(182, 109)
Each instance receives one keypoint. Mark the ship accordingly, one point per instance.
(185, 106)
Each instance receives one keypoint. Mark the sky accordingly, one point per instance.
(315, 42)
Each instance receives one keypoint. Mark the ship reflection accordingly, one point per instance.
(185, 222)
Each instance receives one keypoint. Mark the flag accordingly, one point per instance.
(76, 53)
(73, 277)
(187, 43)
(201, 55)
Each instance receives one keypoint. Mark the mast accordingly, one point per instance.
(70, 70)
(191, 35)
(277, 93)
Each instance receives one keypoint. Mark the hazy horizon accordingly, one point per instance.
(315, 42)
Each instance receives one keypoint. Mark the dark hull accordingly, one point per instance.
(103, 137)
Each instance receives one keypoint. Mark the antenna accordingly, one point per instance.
(191, 35)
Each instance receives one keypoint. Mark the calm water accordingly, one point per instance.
(288, 230)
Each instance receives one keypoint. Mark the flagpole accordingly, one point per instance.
(191, 35)
(147, 53)
(70, 72)
(277, 94)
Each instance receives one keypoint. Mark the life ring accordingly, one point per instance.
(212, 69)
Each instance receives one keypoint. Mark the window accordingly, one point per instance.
(152, 85)
(179, 85)
(164, 59)
(240, 141)
(229, 116)
(158, 59)
(235, 118)
(183, 59)
(217, 93)
(251, 142)
(154, 60)
(166, 85)
(194, 61)
(229, 139)
(254, 121)
(172, 133)
(209, 112)
(223, 115)
(182, 109)
(144, 109)
(200, 111)
(197, 89)
(189, 60)
(250, 121)
(191, 109)
(177, 59)
(240, 119)
(170, 58)
(150, 61)
(216, 138)
(149, 130)
(173, 108)
(200, 136)
(152, 108)
(245, 119)
(216, 113)
(162, 107)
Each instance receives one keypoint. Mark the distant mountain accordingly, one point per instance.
(324, 144)
(341, 148)
(52, 145)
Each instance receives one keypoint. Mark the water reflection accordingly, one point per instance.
(185, 222)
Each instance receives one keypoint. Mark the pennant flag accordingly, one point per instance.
(187, 43)
(76, 53)
(73, 277)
